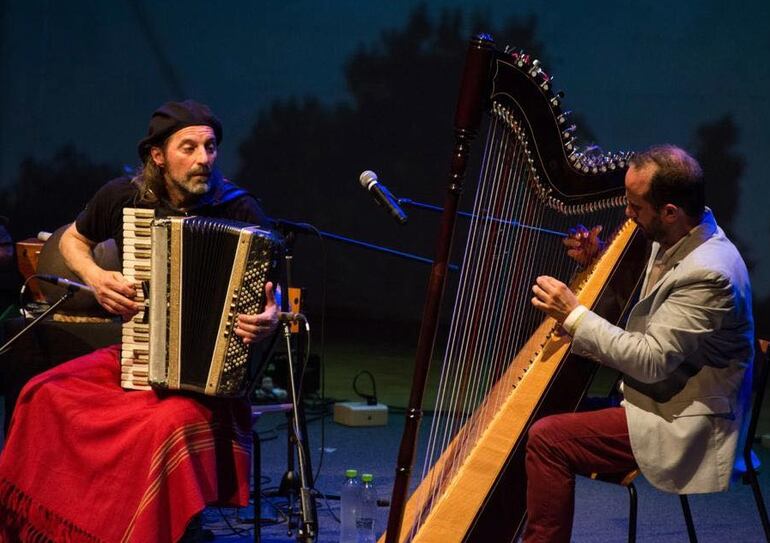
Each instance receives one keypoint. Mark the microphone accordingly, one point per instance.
(382, 195)
(289, 317)
(66, 283)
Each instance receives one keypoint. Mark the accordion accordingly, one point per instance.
(197, 275)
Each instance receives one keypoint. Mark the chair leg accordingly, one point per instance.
(688, 518)
(751, 475)
(631, 513)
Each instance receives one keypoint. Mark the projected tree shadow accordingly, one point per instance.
(304, 157)
(49, 193)
(722, 167)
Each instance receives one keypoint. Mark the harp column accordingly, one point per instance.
(468, 114)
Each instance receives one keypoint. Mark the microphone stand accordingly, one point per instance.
(290, 484)
(66, 296)
(307, 530)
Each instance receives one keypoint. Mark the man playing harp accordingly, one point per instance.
(684, 355)
(86, 460)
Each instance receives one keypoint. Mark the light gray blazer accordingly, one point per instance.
(684, 355)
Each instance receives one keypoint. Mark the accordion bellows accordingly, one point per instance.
(197, 274)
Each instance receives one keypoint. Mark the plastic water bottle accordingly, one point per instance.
(367, 513)
(350, 502)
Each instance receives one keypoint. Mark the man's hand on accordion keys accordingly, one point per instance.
(582, 244)
(253, 328)
(114, 292)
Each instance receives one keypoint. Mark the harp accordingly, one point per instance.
(505, 365)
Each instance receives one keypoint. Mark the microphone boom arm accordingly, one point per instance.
(516, 224)
(304, 228)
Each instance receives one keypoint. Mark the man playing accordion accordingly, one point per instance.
(87, 460)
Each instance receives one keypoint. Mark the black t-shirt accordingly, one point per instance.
(103, 216)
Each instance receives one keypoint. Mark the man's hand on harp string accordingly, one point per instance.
(253, 328)
(553, 298)
(583, 245)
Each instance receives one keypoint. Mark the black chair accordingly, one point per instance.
(748, 473)
(747, 470)
(625, 480)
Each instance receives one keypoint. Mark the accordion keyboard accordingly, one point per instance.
(137, 253)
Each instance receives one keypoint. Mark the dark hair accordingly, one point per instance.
(678, 179)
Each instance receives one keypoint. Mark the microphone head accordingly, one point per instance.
(367, 179)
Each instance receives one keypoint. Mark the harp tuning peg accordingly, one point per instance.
(556, 100)
(535, 69)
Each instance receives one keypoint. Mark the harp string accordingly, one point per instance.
(493, 317)
(467, 310)
(497, 257)
(494, 296)
(461, 387)
(441, 427)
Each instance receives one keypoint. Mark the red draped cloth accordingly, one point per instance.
(85, 460)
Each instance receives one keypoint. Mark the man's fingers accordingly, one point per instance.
(247, 337)
(254, 324)
(121, 286)
(122, 301)
(116, 303)
(269, 294)
(549, 285)
(572, 242)
(248, 326)
(117, 308)
(539, 293)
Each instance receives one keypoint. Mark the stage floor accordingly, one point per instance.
(601, 513)
(601, 509)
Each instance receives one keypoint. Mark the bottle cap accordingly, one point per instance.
(367, 477)
(350, 473)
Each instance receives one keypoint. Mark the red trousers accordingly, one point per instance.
(561, 446)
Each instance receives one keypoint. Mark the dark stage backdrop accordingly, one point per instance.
(311, 94)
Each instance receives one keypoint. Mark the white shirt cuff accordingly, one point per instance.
(572, 321)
